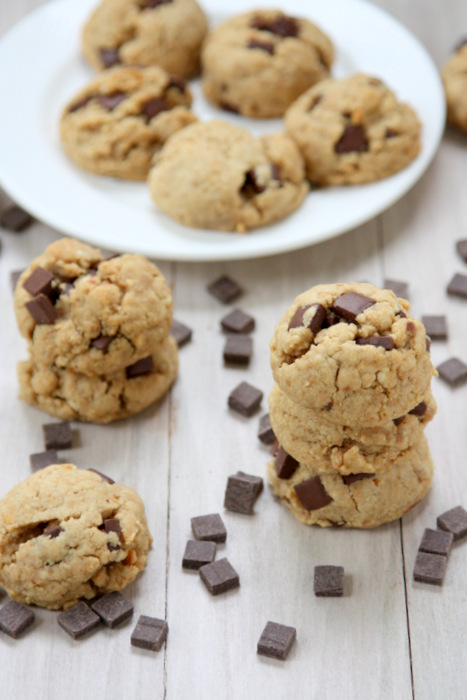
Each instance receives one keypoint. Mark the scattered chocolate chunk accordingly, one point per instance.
(181, 333)
(263, 45)
(78, 620)
(285, 465)
(14, 277)
(316, 100)
(41, 309)
(430, 568)
(353, 139)
(39, 282)
(143, 366)
(57, 436)
(177, 83)
(111, 101)
(103, 476)
(379, 341)
(419, 409)
(390, 134)
(351, 478)
(400, 289)
(238, 349)
(453, 371)
(454, 521)
(102, 342)
(198, 553)
(79, 104)
(241, 492)
(113, 608)
(436, 327)
(312, 494)
(53, 531)
(310, 316)
(40, 460)
(228, 107)
(154, 107)
(276, 640)
(150, 633)
(461, 247)
(219, 576)
(328, 581)
(458, 285)
(265, 431)
(237, 321)
(348, 306)
(109, 57)
(209, 527)
(225, 289)
(15, 618)
(436, 542)
(245, 399)
(281, 26)
(15, 219)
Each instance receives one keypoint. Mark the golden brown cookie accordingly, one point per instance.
(454, 75)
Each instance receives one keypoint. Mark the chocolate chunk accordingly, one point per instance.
(113, 608)
(109, 57)
(419, 409)
(219, 576)
(78, 620)
(400, 289)
(453, 371)
(150, 633)
(14, 277)
(209, 527)
(40, 460)
(111, 101)
(177, 83)
(237, 321)
(252, 185)
(102, 342)
(436, 327)
(276, 640)
(103, 476)
(430, 568)
(396, 421)
(312, 494)
(390, 134)
(263, 45)
(79, 104)
(39, 282)
(198, 554)
(15, 219)
(154, 107)
(241, 492)
(351, 304)
(330, 320)
(353, 139)
(245, 399)
(461, 247)
(310, 316)
(238, 349)
(275, 447)
(265, 431)
(41, 309)
(280, 26)
(436, 542)
(454, 521)
(228, 107)
(112, 525)
(285, 465)
(181, 333)
(458, 285)
(57, 436)
(141, 367)
(225, 289)
(316, 100)
(328, 581)
(15, 618)
(350, 478)
(53, 531)
(379, 341)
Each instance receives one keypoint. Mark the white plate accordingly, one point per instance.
(41, 68)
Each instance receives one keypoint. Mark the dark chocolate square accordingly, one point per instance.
(454, 521)
(181, 333)
(276, 640)
(219, 576)
(15, 219)
(436, 542)
(238, 349)
(310, 316)
(453, 371)
(241, 492)
(225, 289)
(15, 618)
(40, 460)
(140, 368)
(461, 247)
(285, 465)
(39, 282)
(265, 431)
(113, 608)
(458, 285)
(57, 436)
(237, 321)
(41, 309)
(78, 620)
(328, 581)
(245, 399)
(150, 633)
(436, 327)
(198, 553)
(312, 494)
(350, 305)
(400, 289)
(430, 568)
(209, 527)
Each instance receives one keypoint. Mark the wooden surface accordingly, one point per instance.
(388, 637)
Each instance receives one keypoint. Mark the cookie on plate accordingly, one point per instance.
(454, 75)
(67, 534)
(166, 33)
(353, 131)
(117, 122)
(218, 176)
(259, 62)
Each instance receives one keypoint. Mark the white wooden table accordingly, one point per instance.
(388, 637)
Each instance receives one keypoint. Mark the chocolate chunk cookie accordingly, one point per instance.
(454, 77)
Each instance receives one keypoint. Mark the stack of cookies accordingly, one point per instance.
(98, 333)
(351, 400)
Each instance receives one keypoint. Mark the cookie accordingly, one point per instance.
(353, 131)
(259, 62)
(105, 314)
(323, 498)
(166, 33)
(312, 439)
(117, 122)
(353, 353)
(67, 534)
(454, 75)
(218, 176)
(100, 398)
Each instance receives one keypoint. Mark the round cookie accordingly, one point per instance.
(100, 398)
(353, 131)
(105, 314)
(166, 33)
(218, 176)
(117, 122)
(325, 499)
(67, 534)
(454, 75)
(352, 352)
(259, 62)
(310, 438)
